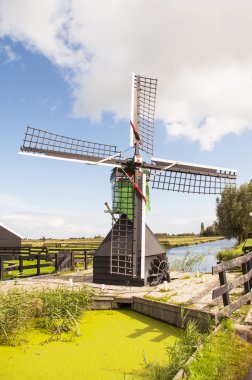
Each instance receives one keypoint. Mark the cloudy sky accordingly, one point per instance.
(66, 66)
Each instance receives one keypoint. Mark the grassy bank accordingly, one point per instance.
(221, 355)
(179, 241)
(235, 252)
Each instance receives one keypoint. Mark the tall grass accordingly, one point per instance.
(188, 262)
(55, 310)
(224, 356)
(61, 308)
(178, 354)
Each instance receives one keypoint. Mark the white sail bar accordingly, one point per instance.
(112, 162)
(175, 165)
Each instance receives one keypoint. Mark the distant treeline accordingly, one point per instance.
(164, 235)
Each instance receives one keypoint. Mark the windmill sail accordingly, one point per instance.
(143, 112)
(47, 144)
(189, 178)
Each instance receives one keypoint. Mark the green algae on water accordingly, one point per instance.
(113, 344)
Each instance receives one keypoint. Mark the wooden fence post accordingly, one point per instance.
(223, 281)
(245, 269)
(250, 281)
(1, 268)
(85, 260)
(38, 264)
(20, 265)
(56, 261)
(72, 260)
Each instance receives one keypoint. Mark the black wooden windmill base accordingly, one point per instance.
(156, 266)
(130, 253)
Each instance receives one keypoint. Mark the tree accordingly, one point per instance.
(233, 211)
(202, 228)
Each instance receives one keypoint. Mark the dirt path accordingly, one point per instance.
(185, 288)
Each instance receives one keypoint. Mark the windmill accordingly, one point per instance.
(130, 253)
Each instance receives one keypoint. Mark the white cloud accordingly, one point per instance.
(199, 51)
(8, 53)
(38, 224)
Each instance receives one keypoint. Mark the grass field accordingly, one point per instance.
(168, 242)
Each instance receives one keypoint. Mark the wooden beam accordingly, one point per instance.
(236, 304)
(231, 263)
(217, 292)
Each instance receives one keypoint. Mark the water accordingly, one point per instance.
(208, 251)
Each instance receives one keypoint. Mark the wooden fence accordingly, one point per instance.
(245, 279)
(13, 259)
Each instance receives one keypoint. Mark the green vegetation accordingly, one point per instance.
(233, 211)
(27, 272)
(87, 244)
(178, 354)
(230, 253)
(111, 347)
(184, 240)
(186, 263)
(235, 252)
(212, 230)
(157, 299)
(55, 310)
(223, 356)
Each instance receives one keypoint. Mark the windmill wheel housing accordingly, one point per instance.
(130, 254)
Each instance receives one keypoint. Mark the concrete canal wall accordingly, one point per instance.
(171, 314)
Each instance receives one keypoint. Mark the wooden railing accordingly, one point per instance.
(59, 259)
(245, 279)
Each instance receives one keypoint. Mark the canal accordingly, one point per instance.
(204, 255)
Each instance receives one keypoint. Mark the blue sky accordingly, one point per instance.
(82, 87)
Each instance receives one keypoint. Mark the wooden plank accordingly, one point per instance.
(236, 304)
(85, 262)
(223, 281)
(217, 292)
(245, 271)
(1, 268)
(231, 263)
(20, 267)
(38, 265)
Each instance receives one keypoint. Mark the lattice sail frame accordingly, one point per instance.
(143, 103)
(46, 143)
(121, 259)
(190, 178)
